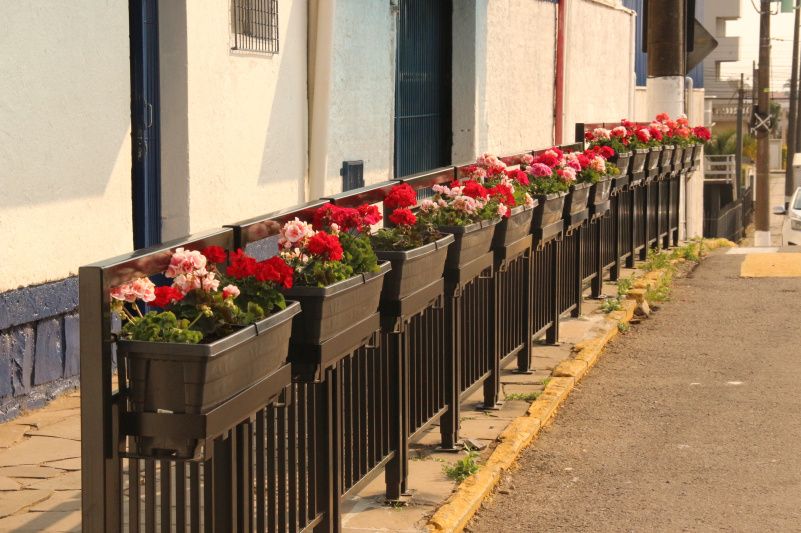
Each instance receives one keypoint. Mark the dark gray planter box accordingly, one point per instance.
(513, 228)
(577, 198)
(666, 160)
(327, 311)
(549, 210)
(412, 269)
(638, 160)
(621, 161)
(599, 192)
(470, 242)
(166, 377)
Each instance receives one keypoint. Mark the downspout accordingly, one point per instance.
(559, 90)
(321, 45)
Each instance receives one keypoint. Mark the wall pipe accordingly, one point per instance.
(559, 89)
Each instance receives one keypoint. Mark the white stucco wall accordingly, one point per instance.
(362, 101)
(503, 80)
(234, 124)
(521, 39)
(599, 64)
(65, 152)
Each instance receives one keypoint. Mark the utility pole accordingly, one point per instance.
(665, 27)
(739, 151)
(761, 123)
(792, 133)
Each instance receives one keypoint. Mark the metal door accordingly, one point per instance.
(146, 149)
(423, 86)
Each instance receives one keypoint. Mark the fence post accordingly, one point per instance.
(100, 465)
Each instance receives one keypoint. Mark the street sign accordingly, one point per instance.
(788, 6)
(702, 45)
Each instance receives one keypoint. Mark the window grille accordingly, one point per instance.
(255, 25)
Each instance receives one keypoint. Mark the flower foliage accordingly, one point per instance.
(194, 307)
(405, 230)
(661, 131)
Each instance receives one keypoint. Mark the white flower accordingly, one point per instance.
(601, 133)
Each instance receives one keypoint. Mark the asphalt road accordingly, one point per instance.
(690, 422)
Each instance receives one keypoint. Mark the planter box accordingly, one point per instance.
(327, 311)
(653, 157)
(412, 269)
(549, 209)
(638, 160)
(688, 156)
(678, 155)
(697, 154)
(576, 200)
(599, 192)
(470, 242)
(621, 161)
(665, 160)
(166, 377)
(619, 182)
(514, 228)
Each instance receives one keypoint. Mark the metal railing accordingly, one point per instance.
(283, 454)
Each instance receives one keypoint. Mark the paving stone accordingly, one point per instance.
(68, 481)
(66, 464)
(41, 418)
(521, 389)
(6, 483)
(514, 408)
(30, 471)
(61, 501)
(11, 502)
(36, 450)
(51, 522)
(11, 433)
(69, 428)
(483, 429)
(48, 364)
(72, 351)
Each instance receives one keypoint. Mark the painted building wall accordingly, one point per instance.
(362, 104)
(234, 124)
(503, 81)
(599, 64)
(64, 138)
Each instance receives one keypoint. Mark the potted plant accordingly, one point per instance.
(414, 247)
(549, 184)
(617, 140)
(468, 212)
(213, 335)
(597, 171)
(639, 141)
(700, 136)
(509, 187)
(337, 276)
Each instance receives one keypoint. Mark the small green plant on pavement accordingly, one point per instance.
(656, 261)
(611, 304)
(524, 396)
(464, 467)
(623, 327)
(624, 286)
(661, 292)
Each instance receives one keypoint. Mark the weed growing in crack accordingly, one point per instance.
(624, 286)
(546, 381)
(525, 396)
(464, 467)
(656, 261)
(611, 304)
(623, 327)
(661, 292)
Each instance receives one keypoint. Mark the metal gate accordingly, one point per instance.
(423, 86)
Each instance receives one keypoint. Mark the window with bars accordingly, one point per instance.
(255, 25)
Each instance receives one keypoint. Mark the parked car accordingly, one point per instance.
(791, 227)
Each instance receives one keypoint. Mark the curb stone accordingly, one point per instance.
(459, 508)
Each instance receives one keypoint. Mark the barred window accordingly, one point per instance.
(255, 24)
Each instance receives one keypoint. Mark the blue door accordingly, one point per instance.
(423, 86)
(146, 145)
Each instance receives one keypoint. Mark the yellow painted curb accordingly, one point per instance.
(460, 507)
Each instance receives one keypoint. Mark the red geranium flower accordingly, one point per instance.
(583, 160)
(166, 296)
(474, 189)
(519, 176)
(403, 217)
(326, 246)
(215, 254)
(606, 152)
(548, 159)
(504, 195)
(370, 214)
(276, 270)
(242, 265)
(702, 133)
(401, 195)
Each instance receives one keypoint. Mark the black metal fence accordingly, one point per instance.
(283, 454)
